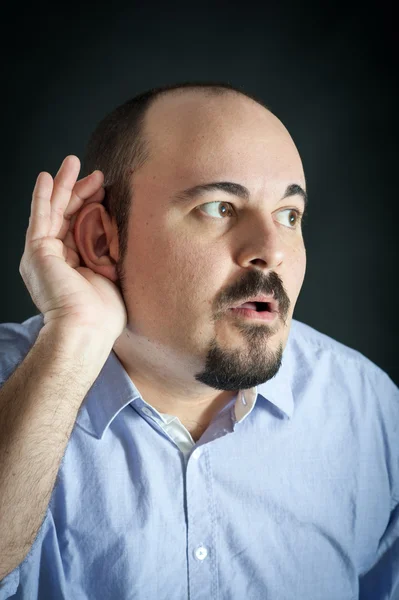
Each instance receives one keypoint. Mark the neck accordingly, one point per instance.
(168, 389)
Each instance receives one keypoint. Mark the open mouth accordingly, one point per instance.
(257, 306)
(262, 306)
(261, 311)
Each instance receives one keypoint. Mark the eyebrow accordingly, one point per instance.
(234, 189)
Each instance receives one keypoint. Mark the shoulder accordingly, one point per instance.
(310, 338)
(16, 339)
(326, 354)
(351, 390)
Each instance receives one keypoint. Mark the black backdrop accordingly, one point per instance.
(326, 70)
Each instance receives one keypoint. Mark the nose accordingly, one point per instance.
(260, 244)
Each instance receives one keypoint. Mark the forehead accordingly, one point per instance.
(195, 138)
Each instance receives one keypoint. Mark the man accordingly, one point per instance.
(168, 430)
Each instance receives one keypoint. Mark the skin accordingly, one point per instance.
(186, 263)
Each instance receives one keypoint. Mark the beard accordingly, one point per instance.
(245, 368)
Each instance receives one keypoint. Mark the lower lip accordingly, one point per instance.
(248, 313)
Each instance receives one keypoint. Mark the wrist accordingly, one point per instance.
(80, 343)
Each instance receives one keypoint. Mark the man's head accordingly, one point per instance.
(188, 257)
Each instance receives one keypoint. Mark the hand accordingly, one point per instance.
(65, 292)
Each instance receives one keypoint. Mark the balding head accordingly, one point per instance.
(197, 124)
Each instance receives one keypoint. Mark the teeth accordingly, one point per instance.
(250, 305)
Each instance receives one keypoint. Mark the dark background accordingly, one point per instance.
(327, 70)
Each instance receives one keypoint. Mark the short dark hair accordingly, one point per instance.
(117, 147)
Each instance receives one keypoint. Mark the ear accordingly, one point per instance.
(96, 237)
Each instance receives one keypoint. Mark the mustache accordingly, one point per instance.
(255, 283)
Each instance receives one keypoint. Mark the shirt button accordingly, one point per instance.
(146, 411)
(196, 454)
(201, 553)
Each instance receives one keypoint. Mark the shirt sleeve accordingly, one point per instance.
(22, 582)
(9, 585)
(381, 582)
(16, 339)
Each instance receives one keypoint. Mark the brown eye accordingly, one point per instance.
(224, 210)
(292, 217)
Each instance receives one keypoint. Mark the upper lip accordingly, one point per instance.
(273, 303)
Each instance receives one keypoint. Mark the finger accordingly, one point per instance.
(83, 191)
(64, 183)
(72, 257)
(81, 195)
(40, 214)
(98, 196)
(70, 242)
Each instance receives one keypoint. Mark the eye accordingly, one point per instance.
(293, 217)
(225, 210)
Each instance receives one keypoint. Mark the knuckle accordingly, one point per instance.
(41, 214)
(62, 186)
(58, 211)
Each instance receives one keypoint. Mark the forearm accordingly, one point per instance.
(38, 408)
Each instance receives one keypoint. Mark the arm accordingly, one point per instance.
(38, 407)
(382, 581)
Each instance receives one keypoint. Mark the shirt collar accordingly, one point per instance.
(113, 390)
(277, 391)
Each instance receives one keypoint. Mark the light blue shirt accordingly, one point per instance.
(292, 492)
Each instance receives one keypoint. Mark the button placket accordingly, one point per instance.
(147, 411)
(201, 552)
(201, 524)
(196, 453)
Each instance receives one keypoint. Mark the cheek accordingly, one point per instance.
(297, 269)
(172, 272)
(191, 271)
